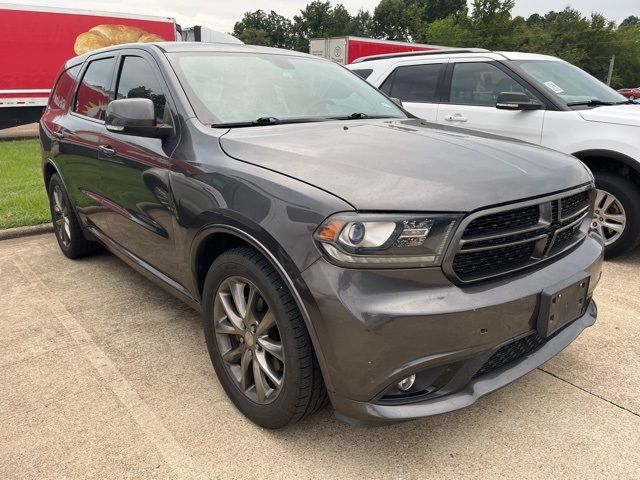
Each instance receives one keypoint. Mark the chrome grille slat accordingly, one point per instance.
(477, 252)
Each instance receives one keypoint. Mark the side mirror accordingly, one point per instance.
(397, 101)
(135, 116)
(516, 101)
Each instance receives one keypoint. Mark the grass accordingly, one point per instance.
(23, 200)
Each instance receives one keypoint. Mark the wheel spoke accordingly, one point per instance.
(613, 226)
(67, 227)
(608, 200)
(245, 365)
(267, 322)
(250, 315)
(237, 292)
(232, 356)
(229, 309)
(272, 346)
(260, 383)
(227, 328)
(265, 366)
(615, 217)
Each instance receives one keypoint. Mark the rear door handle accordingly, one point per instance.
(455, 118)
(107, 150)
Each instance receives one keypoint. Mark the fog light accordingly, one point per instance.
(406, 383)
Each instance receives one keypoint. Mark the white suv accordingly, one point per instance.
(536, 98)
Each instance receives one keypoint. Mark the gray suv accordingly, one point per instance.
(339, 249)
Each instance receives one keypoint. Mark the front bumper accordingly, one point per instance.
(375, 327)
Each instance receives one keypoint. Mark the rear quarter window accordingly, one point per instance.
(363, 72)
(63, 90)
(414, 83)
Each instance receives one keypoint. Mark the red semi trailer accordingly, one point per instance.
(36, 41)
(345, 50)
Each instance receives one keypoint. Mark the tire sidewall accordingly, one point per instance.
(68, 250)
(629, 195)
(282, 410)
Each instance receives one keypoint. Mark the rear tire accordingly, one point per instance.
(242, 294)
(66, 225)
(628, 195)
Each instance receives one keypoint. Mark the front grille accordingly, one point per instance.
(504, 220)
(570, 205)
(515, 238)
(511, 352)
(466, 264)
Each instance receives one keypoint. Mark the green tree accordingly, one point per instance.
(258, 28)
(320, 19)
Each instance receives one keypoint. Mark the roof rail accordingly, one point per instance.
(419, 52)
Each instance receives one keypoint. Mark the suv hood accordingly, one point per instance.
(406, 165)
(616, 114)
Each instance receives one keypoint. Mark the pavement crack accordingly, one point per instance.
(590, 393)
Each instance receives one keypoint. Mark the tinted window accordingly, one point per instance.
(480, 84)
(363, 72)
(93, 93)
(138, 80)
(61, 95)
(414, 83)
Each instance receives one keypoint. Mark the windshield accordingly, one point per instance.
(247, 87)
(571, 84)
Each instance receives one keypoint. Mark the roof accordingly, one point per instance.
(176, 47)
(456, 51)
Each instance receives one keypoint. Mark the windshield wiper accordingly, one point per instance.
(267, 121)
(358, 116)
(594, 102)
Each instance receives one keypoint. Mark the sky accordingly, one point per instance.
(222, 14)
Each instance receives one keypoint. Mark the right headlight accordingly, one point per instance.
(386, 240)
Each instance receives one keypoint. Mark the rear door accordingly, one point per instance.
(135, 170)
(473, 87)
(418, 86)
(76, 135)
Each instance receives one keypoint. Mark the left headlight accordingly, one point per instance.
(386, 240)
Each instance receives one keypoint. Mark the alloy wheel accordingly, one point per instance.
(609, 218)
(248, 339)
(61, 219)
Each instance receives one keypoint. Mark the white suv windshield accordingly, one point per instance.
(226, 88)
(571, 84)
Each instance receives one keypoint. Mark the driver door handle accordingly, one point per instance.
(107, 150)
(455, 118)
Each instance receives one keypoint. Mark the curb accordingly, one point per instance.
(25, 231)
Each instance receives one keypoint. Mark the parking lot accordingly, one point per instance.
(105, 375)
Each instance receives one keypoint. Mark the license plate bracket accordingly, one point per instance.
(562, 303)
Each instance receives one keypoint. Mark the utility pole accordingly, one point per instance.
(611, 62)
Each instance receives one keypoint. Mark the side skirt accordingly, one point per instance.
(150, 272)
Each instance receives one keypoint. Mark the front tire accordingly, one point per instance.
(617, 213)
(66, 225)
(258, 342)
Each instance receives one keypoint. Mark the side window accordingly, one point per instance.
(414, 83)
(93, 93)
(363, 72)
(138, 80)
(479, 84)
(61, 96)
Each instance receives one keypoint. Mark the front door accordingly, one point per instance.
(471, 102)
(135, 171)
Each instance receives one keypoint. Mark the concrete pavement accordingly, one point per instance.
(104, 375)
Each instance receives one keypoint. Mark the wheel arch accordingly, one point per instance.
(599, 160)
(213, 240)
